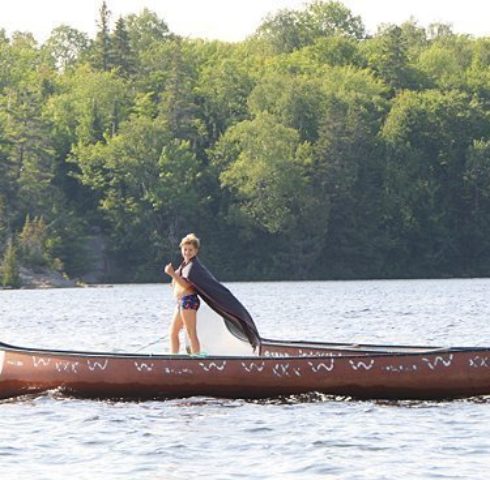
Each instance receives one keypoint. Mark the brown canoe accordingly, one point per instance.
(423, 374)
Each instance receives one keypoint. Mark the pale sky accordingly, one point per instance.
(233, 20)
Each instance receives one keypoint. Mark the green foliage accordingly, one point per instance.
(89, 106)
(146, 29)
(297, 102)
(223, 87)
(66, 47)
(122, 57)
(9, 267)
(474, 235)
(265, 175)
(4, 225)
(387, 55)
(290, 30)
(336, 51)
(309, 150)
(446, 62)
(101, 47)
(36, 245)
(428, 136)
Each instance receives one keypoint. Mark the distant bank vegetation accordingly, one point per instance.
(310, 150)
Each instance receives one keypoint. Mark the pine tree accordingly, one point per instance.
(122, 55)
(4, 220)
(102, 44)
(10, 268)
(178, 105)
(8, 175)
(32, 242)
(30, 167)
(96, 126)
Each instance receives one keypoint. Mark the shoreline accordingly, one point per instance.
(44, 282)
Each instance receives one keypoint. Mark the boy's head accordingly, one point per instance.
(190, 240)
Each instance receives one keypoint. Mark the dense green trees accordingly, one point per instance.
(9, 267)
(309, 150)
(290, 30)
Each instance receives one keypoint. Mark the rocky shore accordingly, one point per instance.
(45, 278)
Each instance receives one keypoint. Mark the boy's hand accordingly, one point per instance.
(169, 269)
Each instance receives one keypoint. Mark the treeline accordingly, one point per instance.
(310, 150)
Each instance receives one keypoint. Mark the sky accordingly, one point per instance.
(233, 20)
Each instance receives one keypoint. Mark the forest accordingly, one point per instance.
(310, 150)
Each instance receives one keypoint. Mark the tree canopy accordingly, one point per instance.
(309, 150)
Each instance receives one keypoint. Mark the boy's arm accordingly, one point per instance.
(169, 270)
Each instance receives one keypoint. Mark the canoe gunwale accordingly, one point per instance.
(315, 344)
(346, 352)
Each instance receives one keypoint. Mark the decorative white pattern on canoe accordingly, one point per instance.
(177, 371)
(40, 362)
(251, 366)
(92, 365)
(285, 370)
(327, 366)
(15, 363)
(143, 366)
(360, 364)
(439, 360)
(268, 353)
(207, 367)
(401, 368)
(66, 366)
(479, 362)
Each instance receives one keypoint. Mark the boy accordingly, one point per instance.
(185, 314)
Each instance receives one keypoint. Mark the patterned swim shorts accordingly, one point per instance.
(189, 302)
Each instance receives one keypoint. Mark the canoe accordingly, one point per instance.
(241, 364)
(440, 373)
(236, 369)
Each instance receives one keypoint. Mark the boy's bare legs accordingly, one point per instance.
(175, 327)
(189, 319)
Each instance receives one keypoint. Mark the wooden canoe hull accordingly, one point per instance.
(440, 374)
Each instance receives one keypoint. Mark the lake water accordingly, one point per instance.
(312, 437)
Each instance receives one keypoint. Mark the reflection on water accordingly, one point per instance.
(304, 436)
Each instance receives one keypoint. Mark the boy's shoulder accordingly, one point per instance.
(187, 268)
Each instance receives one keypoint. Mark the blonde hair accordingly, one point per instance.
(190, 238)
